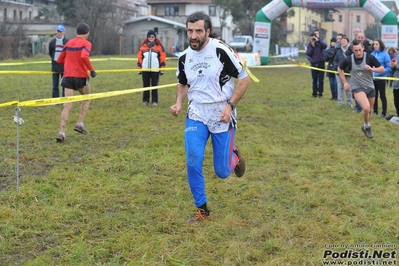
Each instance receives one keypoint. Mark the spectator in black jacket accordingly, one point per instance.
(315, 52)
(330, 66)
(366, 44)
(55, 47)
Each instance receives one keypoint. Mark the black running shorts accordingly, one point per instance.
(74, 83)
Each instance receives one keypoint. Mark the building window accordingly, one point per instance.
(212, 11)
(358, 19)
(340, 18)
(5, 15)
(14, 17)
(20, 15)
(30, 15)
(171, 11)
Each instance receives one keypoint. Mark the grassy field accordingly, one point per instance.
(119, 195)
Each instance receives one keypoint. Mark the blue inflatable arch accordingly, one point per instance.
(264, 17)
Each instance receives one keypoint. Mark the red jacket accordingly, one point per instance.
(75, 57)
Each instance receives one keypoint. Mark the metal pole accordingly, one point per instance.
(17, 114)
(120, 45)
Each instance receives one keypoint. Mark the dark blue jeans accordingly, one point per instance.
(333, 86)
(56, 85)
(318, 79)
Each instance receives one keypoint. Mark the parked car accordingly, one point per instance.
(242, 43)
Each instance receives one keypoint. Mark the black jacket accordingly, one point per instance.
(55, 67)
(330, 54)
(340, 56)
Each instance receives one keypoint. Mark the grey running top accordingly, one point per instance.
(360, 77)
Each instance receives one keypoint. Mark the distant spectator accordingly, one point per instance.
(340, 54)
(54, 49)
(392, 54)
(317, 32)
(315, 51)
(366, 44)
(150, 58)
(330, 54)
(356, 31)
(395, 68)
(339, 38)
(380, 84)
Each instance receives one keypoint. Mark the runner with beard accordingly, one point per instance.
(205, 73)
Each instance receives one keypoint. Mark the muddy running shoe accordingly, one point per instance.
(61, 137)
(80, 128)
(367, 131)
(240, 167)
(199, 216)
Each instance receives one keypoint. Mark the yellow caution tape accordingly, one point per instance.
(275, 66)
(252, 76)
(8, 104)
(77, 98)
(91, 59)
(20, 72)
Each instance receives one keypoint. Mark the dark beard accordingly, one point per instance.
(200, 45)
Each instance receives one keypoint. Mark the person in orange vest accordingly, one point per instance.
(151, 57)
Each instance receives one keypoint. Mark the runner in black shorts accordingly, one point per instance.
(74, 83)
(75, 57)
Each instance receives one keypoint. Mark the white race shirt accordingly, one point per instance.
(209, 74)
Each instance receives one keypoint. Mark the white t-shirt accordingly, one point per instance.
(209, 74)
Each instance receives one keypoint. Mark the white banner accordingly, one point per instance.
(389, 35)
(262, 38)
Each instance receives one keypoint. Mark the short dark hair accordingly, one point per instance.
(382, 45)
(346, 38)
(357, 42)
(199, 15)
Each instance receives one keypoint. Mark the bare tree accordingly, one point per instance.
(13, 42)
(100, 15)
